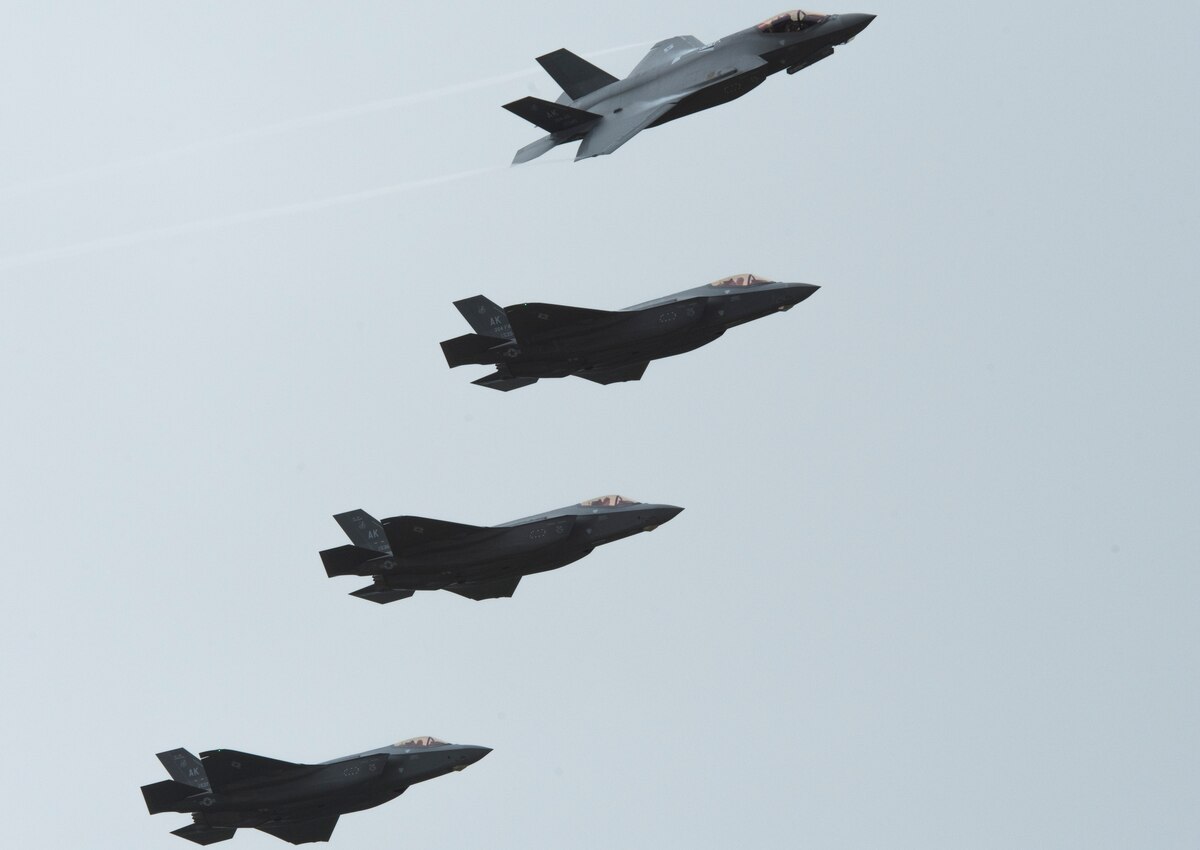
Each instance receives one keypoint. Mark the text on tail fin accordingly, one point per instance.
(185, 767)
(485, 317)
(364, 530)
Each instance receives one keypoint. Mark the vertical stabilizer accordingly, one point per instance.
(485, 317)
(186, 768)
(364, 531)
(577, 76)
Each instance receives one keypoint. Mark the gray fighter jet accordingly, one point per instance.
(530, 341)
(408, 553)
(225, 790)
(677, 77)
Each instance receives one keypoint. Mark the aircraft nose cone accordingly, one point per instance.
(854, 23)
(801, 291)
(476, 753)
(661, 514)
(469, 755)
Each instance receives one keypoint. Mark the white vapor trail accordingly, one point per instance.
(152, 234)
(284, 127)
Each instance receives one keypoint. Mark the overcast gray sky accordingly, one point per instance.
(936, 585)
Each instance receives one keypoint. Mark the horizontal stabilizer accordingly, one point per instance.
(363, 530)
(497, 381)
(484, 316)
(382, 594)
(552, 117)
(577, 76)
(165, 796)
(535, 149)
(478, 590)
(535, 323)
(230, 767)
(615, 376)
(353, 561)
(471, 348)
(199, 833)
(407, 532)
(184, 767)
(304, 831)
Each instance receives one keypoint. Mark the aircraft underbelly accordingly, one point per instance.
(348, 780)
(549, 558)
(715, 94)
(649, 334)
(625, 353)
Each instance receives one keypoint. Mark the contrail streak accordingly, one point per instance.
(155, 233)
(284, 127)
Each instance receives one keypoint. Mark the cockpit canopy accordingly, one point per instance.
(608, 502)
(739, 280)
(792, 21)
(421, 741)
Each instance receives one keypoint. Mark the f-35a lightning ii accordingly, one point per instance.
(677, 77)
(408, 553)
(225, 790)
(530, 341)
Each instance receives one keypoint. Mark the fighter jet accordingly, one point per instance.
(530, 341)
(225, 790)
(677, 77)
(408, 553)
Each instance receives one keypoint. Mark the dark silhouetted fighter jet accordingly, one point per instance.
(225, 790)
(677, 77)
(408, 553)
(530, 341)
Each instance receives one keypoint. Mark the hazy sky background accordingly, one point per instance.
(937, 581)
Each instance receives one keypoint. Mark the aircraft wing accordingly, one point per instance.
(381, 593)
(538, 323)
(302, 831)
(226, 767)
(612, 131)
(406, 532)
(614, 376)
(665, 52)
(496, 589)
(498, 381)
(203, 834)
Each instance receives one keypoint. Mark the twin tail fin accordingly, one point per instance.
(577, 76)
(188, 779)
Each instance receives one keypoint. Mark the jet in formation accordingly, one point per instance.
(526, 342)
(225, 790)
(677, 77)
(405, 554)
